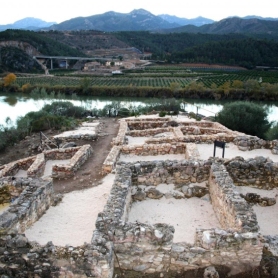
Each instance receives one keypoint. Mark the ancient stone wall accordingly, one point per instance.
(155, 119)
(274, 146)
(120, 139)
(138, 246)
(232, 211)
(148, 132)
(68, 170)
(257, 172)
(247, 143)
(195, 130)
(34, 200)
(149, 248)
(145, 250)
(192, 151)
(35, 165)
(198, 139)
(204, 124)
(38, 166)
(177, 172)
(22, 258)
(110, 162)
(154, 149)
(60, 154)
(12, 168)
(177, 131)
(238, 251)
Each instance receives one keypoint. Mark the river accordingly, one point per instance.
(16, 105)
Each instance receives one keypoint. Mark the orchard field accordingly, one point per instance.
(154, 76)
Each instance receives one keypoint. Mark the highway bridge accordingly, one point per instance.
(65, 58)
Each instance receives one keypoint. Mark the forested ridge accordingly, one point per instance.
(228, 49)
(16, 59)
(43, 44)
(247, 53)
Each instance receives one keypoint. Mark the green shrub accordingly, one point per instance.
(123, 112)
(64, 108)
(162, 114)
(53, 122)
(8, 136)
(192, 115)
(272, 133)
(246, 117)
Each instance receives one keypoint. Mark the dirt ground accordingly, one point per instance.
(89, 174)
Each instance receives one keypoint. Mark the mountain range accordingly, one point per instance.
(142, 20)
(28, 23)
(231, 25)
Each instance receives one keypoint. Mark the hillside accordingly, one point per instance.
(86, 41)
(18, 47)
(16, 60)
(229, 49)
(233, 25)
(247, 53)
(44, 45)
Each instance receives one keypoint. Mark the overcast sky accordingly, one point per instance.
(61, 10)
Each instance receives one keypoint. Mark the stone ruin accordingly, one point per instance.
(141, 247)
(34, 166)
(182, 139)
(118, 243)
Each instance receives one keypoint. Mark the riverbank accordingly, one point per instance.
(17, 105)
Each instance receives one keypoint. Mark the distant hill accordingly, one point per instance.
(232, 25)
(137, 20)
(28, 23)
(198, 21)
(259, 17)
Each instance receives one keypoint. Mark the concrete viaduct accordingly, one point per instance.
(68, 58)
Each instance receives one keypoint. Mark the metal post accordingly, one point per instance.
(219, 144)
(51, 61)
(41, 138)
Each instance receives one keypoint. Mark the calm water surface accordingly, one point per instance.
(16, 105)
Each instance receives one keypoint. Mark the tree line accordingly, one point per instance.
(229, 49)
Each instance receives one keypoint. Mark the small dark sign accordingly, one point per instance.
(219, 144)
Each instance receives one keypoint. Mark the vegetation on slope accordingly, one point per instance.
(16, 60)
(248, 53)
(229, 49)
(44, 45)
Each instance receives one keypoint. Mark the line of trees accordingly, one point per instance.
(228, 49)
(236, 90)
(247, 53)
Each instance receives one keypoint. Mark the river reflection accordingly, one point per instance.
(18, 105)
